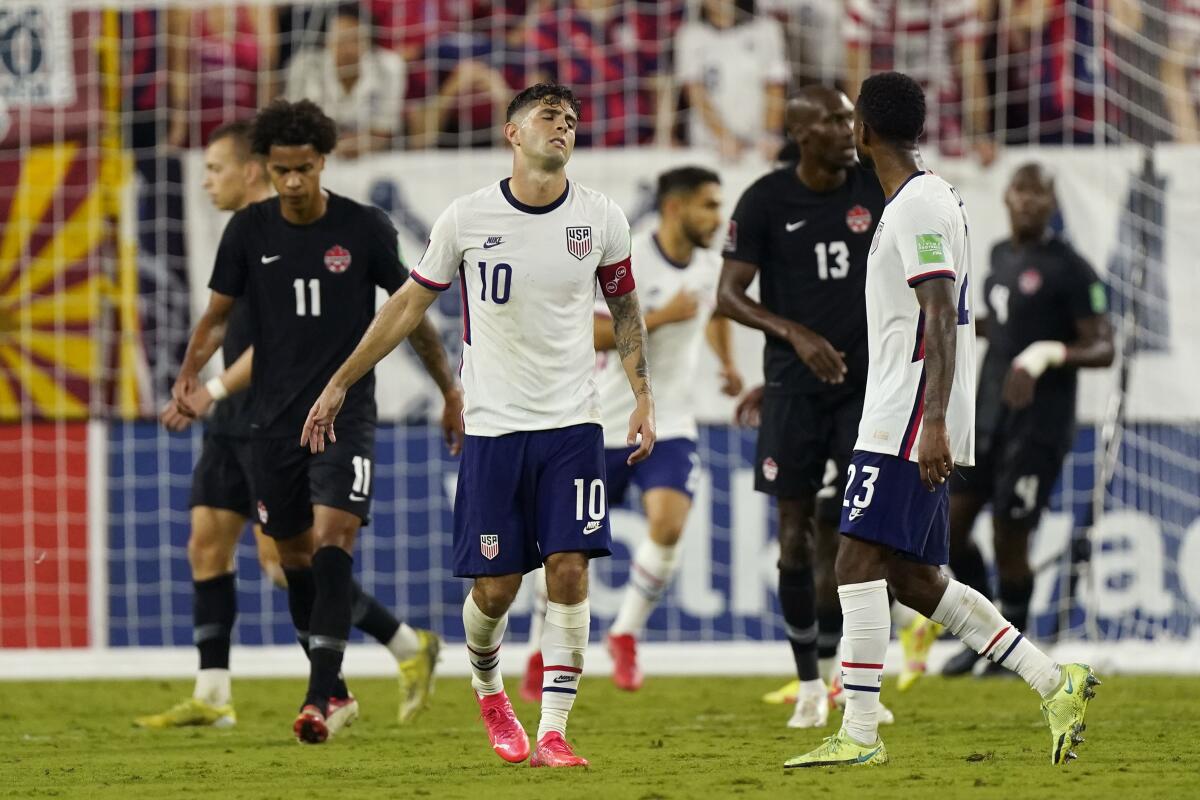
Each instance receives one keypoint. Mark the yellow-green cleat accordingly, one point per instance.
(190, 712)
(784, 694)
(840, 750)
(416, 676)
(1065, 709)
(916, 640)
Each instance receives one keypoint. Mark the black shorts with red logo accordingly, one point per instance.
(799, 433)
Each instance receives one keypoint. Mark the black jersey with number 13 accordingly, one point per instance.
(811, 252)
(311, 290)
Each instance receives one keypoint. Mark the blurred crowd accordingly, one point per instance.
(410, 74)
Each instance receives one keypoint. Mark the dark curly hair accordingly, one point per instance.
(682, 180)
(893, 105)
(553, 94)
(293, 125)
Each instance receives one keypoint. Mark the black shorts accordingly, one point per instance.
(799, 433)
(1016, 473)
(221, 478)
(289, 480)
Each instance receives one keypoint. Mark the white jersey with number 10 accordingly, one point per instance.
(528, 276)
(922, 236)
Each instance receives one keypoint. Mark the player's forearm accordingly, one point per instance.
(1098, 353)
(629, 331)
(941, 334)
(396, 320)
(708, 111)
(205, 340)
(236, 377)
(428, 347)
(720, 339)
(735, 304)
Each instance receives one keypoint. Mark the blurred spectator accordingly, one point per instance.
(813, 39)
(222, 61)
(1135, 42)
(938, 44)
(1181, 69)
(357, 84)
(612, 55)
(732, 64)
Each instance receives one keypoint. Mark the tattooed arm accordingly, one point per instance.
(629, 330)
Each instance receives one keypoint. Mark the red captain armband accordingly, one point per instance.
(616, 279)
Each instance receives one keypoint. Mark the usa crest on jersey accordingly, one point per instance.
(489, 545)
(579, 241)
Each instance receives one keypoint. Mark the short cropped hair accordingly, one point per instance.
(293, 125)
(682, 180)
(239, 133)
(554, 94)
(893, 104)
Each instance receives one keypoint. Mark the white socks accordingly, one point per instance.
(538, 618)
(969, 616)
(484, 634)
(866, 628)
(405, 643)
(213, 686)
(649, 576)
(563, 644)
(902, 615)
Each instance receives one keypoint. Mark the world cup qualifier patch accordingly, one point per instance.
(929, 249)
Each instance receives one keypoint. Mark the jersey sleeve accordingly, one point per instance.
(387, 268)
(442, 255)
(1087, 295)
(747, 235)
(615, 273)
(229, 269)
(923, 236)
(773, 60)
(688, 64)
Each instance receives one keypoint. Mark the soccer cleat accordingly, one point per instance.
(504, 730)
(623, 649)
(1065, 709)
(310, 726)
(840, 750)
(188, 713)
(812, 711)
(837, 698)
(342, 713)
(961, 664)
(416, 676)
(553, 751)
(916, 639)
(783, 695)
(531, 684)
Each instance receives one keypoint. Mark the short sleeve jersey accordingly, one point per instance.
(811, 252)
(1035, 293)
(922, 236)
(673, 350)
(311, 290)
(528, 276)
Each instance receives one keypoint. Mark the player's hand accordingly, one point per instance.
(320, 419)
(452, 421)
(200, 401)
(933, 454)
(682, 306)
(818, 354)
(748, 413)
(187, 383)
(731, 380)
(641, 421)
(173, 419)
(1018, 389)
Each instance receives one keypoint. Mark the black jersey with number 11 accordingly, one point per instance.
(311, 292)
(811, 252)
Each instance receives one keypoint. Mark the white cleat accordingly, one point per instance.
(812, 711)
(343, 712)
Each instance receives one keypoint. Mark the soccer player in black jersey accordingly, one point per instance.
(308, 262)
(805, 230)
(1047, 317)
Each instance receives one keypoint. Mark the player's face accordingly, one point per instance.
(224, 175)
(830, 138)
(295, 172)
(546, 134)
(347, 39)
(1030, 202)
(702, 214)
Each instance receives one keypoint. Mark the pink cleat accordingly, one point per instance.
(623, 650)
(531, 686)
(553, 751)
(310, 727)
(504, 730)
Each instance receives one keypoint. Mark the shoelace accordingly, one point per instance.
(494, 716)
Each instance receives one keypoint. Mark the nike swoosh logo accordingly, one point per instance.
(795, 226)
(564, 679)
(490, 245)
(1070, 685)
(270, 259)
(866, 756)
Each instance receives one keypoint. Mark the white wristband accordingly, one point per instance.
(216, 389)
(1040, 356)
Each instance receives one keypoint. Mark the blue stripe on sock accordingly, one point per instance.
(566, 691)
(860, 688)
(1000, 660)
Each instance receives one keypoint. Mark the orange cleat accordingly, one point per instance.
(531, 685)
(623, 649)
(310, 726)
(553, 751)
(504, 730)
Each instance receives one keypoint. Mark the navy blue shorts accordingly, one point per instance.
(526, 495)
(887, 503)
(673, 464)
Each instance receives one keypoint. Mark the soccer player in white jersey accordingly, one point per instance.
(528, 252)
(918, 422)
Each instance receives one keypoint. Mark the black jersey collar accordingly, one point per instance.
(658, 246)
(896, 193)
(519, 206)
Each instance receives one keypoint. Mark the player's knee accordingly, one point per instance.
(567, 577)
(494, 595)
(293, 554)
(209, 555)
(665, 530)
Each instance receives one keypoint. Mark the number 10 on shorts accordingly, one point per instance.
(589, 496)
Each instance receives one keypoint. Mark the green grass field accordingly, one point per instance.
(677, 738)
